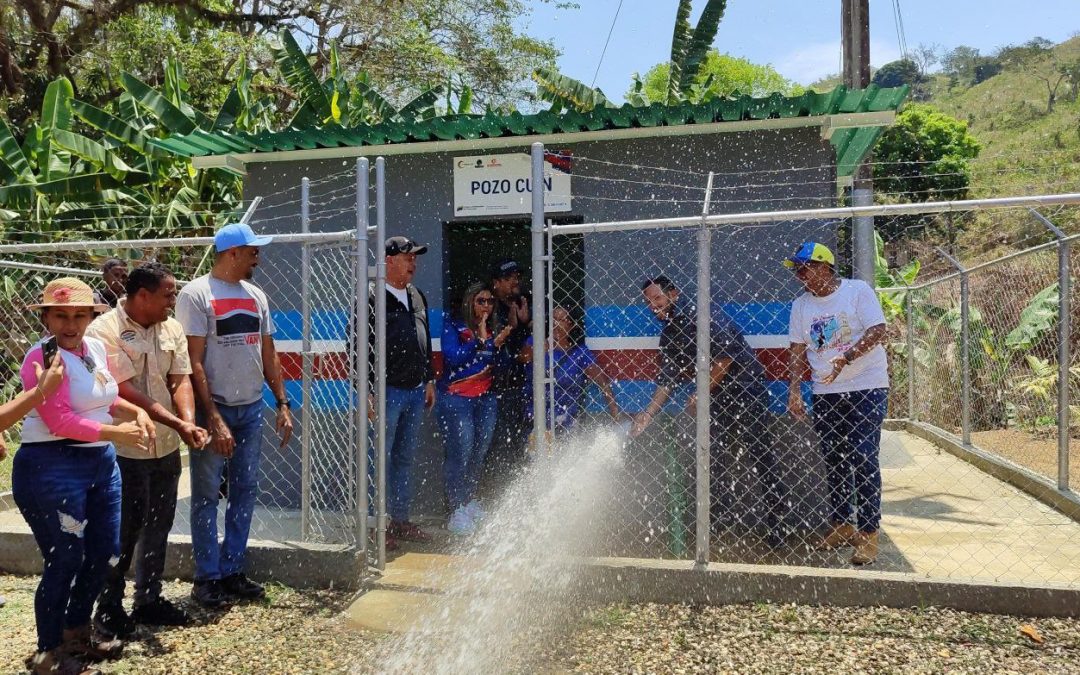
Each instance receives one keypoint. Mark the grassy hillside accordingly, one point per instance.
(1025, 150)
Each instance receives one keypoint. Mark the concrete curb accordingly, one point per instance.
(613, 580)
(290, 563)
(1021, 478)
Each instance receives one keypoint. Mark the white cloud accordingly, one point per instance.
(814, 61)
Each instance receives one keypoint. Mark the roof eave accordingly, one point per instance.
(825, 122)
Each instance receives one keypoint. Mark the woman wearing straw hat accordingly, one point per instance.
(65, 480)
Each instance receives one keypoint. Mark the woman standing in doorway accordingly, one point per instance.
(65, 479)
(466, 405)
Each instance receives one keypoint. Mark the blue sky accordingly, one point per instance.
(800, 38)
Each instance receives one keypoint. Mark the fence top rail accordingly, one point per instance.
(311, 238)
(840, 212)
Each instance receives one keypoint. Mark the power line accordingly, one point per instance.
(898, 21)
(606, 42)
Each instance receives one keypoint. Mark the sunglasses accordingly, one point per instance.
(484, 301)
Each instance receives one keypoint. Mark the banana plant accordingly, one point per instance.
(56, 167)
(337, 99)
(689, 46)
(114, 176)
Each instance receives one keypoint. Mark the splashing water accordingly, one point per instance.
(517, 584)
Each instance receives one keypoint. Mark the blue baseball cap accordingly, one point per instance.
(810, 251)
(238, 234)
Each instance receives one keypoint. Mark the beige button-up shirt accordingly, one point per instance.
(146, 356)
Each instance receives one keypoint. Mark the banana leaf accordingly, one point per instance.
(378, 106)
(420, 106)
(680, 42)
(92, 152)
(171, 118)
(1038, 318)
(566, 92)
(55, 115)
(113, 127)
(298, 73)
(11, 155)
(699, 44)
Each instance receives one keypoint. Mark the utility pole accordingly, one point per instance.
(855, 31)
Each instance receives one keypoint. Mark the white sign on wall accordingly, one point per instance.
(495, 185)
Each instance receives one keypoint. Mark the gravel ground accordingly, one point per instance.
(291, 632)
(299, 632)
(786, 639)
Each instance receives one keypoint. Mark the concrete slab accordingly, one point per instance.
(946, 518)
(390, 611)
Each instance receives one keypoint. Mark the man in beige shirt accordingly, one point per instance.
(149, 358)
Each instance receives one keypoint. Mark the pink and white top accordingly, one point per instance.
(81, 404)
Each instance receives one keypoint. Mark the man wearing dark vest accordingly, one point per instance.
(410, 382)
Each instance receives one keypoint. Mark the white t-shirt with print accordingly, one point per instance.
(833, 324)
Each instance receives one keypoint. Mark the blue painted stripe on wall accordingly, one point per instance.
(752, 318)
(330, 325)
(601, 321)
(327, 395)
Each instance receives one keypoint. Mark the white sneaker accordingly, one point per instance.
(461, 523)
(476, 513)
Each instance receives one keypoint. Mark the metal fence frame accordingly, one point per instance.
(356, 244)
(543, 379)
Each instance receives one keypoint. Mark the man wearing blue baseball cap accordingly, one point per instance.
(837, 333)
(229, 332)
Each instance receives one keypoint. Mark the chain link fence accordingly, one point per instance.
(308, 488)
(973, 354)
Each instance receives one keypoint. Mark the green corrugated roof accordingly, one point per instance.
(851, 143)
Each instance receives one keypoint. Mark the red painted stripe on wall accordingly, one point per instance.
(624, 364)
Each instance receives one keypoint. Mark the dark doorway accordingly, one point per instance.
(471, 248)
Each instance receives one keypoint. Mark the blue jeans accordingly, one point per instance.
(404, 412)
(849, 425)
(70, 497)
(467, 425)
(211, 560)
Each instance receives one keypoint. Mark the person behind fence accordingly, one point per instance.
(114, 274)
(737, 409)
(65, 480)
(149, 356)
(410, 383)
(467, 406)
(229, 336)
(837, 332)
(574, 367)
(509, 375)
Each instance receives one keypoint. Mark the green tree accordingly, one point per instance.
(924, 156)
(897, 73)
(966, 67)
(404, 47)
(719, 75)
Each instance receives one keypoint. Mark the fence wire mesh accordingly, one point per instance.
(778, 484)
(331, 490)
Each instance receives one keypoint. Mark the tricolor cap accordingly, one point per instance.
(811, 251)
(238, 234)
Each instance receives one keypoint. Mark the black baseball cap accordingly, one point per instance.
(505, 268)
(395, 245)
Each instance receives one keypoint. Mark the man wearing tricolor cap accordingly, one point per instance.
(229, 332)
(837, 332)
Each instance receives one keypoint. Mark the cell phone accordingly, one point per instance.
(48, 351)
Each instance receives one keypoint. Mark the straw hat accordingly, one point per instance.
(68, 292)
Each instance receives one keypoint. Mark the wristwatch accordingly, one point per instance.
(284, 403)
